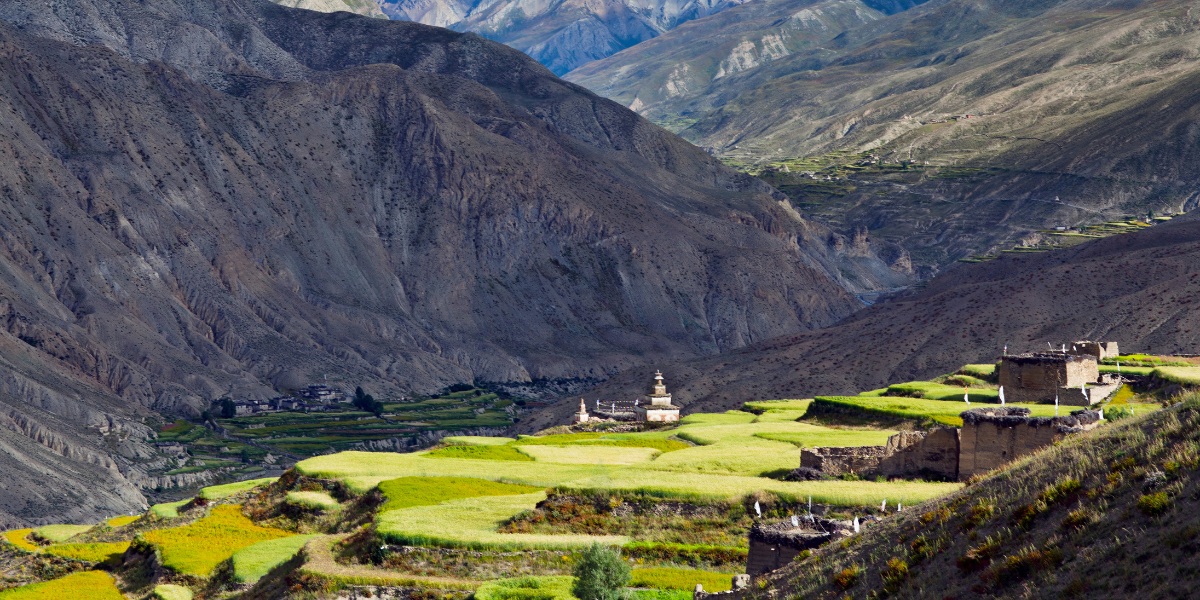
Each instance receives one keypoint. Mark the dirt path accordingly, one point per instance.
(319, 561)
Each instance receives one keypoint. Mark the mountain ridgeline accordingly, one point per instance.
(233, 196)
(562, 35)
(971, 123)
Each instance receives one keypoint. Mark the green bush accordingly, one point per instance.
(600, 574)
(1155, 504)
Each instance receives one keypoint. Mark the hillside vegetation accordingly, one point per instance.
(1107, 514)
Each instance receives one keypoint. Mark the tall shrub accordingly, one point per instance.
(600, 574)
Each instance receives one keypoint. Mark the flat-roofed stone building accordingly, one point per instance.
(1044, 376)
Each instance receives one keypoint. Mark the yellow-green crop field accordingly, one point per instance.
(482, 452)
(472, 523)
(168, 591)
(407, 492)
(122, 521)
(168, 510)
(17, 537)
(581, 454)
(90, 552)
(312, 500)
(1183, 375)
(681, 579)
(61, 533)
(253, 562)
(87, 585)
(477, 440)
(527, 588)
(217, 492)
(198, 548)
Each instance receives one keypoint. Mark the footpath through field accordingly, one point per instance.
(318, 553)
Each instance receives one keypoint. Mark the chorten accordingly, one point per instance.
(660, 407)
(582, 415)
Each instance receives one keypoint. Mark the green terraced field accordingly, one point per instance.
(945, 412)
(407, 492)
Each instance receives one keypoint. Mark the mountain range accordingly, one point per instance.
(232, 197)
(565, 34)
(1005, 118)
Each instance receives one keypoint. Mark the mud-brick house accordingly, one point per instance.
(1044, 376)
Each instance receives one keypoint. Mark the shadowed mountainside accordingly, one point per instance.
(1139, 289)
(1090, 101)
(225, 197)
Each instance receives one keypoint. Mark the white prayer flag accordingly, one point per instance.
(855, 524)
(1102, 414)
(795, 521)
(1118, 366)
(757, 509)
(883, 507)
(1001, 395)
(965, 397)
(1056, 405)
(810, 504)
(899, 506)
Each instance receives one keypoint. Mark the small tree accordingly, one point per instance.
(228, 408)
(600, 574)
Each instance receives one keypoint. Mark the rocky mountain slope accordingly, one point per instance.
(566, 34)
(1138, 289)
(1111, 513)
(226, 197)
(1080, 112)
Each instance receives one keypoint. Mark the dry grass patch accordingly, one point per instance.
(320, 562)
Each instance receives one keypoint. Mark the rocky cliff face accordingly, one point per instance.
(205, 200)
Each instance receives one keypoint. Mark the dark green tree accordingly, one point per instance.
(600, 574)
(228, 409)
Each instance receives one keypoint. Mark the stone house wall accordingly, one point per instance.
(1100, 350)
(927, 454)
(994, 436)
(860, 460)
(1036, 377)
